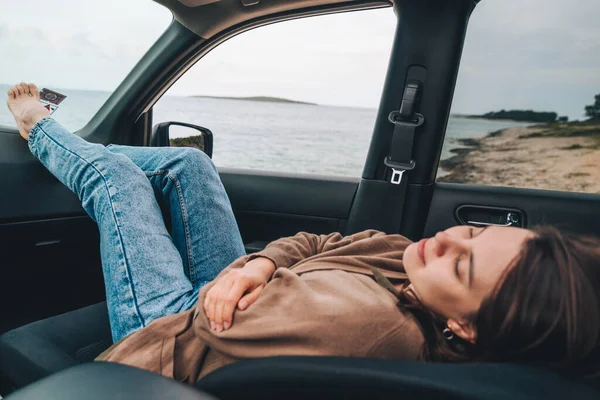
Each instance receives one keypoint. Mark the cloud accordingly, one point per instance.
(541, 54)
(91, 46)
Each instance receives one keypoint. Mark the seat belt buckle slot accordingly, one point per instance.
(396, 176)
(398, 169)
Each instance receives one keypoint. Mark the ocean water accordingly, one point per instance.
(280, 137)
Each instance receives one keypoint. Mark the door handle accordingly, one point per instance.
(468, 214)
(512, 219)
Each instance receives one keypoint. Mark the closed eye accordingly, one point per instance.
(456, 267)
(457, 262)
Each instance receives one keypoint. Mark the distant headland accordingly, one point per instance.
(265, 99)
(521, 116)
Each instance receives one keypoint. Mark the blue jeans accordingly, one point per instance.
(148, 272)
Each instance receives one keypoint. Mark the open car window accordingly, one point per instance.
(298, 96)
(526, 111)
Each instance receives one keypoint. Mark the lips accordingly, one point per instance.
(421, 250)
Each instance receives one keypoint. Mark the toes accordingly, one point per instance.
(20, 88)
(34, 90)
(24, 88)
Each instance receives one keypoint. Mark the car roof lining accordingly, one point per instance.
(207, 18)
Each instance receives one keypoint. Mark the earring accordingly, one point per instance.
(448, 334)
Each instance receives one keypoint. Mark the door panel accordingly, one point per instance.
(577, 212)
(268, 207)
(48, 267)
(29, 191)
(49, 258)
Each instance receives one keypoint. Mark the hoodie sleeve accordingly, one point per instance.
(286, 252)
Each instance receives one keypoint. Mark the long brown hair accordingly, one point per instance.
(544, 311)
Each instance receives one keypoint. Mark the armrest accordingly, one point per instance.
(104, 380)
(346, 378)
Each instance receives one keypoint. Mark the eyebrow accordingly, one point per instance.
(471, 259)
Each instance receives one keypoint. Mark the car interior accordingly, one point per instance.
(53, 318)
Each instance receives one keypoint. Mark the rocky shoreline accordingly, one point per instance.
(553, 156)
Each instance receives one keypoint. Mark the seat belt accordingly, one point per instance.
(406, 121)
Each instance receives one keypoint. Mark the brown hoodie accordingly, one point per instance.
(322, 300)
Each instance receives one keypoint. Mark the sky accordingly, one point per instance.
(519, 54)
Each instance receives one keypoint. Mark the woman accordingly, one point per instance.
(467, 294)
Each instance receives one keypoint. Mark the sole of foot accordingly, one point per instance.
(24, 104)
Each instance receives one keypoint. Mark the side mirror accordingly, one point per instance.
(179, 134)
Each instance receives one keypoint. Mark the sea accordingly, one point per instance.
(281, 137)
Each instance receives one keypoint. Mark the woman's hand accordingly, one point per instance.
(240, 287)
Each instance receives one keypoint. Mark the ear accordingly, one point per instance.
(465, 330)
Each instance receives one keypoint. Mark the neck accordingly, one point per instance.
(407, 290)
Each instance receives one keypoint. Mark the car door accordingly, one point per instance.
(50, 247)
(49, 252)
(542, 169)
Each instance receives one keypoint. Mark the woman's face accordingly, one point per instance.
(454, 271)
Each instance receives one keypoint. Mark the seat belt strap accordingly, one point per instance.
(406, 121)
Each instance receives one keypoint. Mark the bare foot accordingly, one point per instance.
(24, 103)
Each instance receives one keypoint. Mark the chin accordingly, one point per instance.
(410, 258)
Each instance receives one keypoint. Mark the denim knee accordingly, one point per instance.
(195, 161)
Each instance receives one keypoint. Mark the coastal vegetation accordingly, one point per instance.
(196, 142)
(593, 111)
(520, 115)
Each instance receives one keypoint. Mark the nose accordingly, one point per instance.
(440, 240)
(445, 242)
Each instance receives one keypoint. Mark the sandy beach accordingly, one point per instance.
(555, 156)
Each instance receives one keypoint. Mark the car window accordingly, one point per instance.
(298, 96)
(526, 110)
(81, 49)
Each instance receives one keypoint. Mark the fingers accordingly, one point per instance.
(209, 306)
(228, 304)
(213, 298)
(222, 299)
(227, 300)
(250, 298)
(218, 311)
